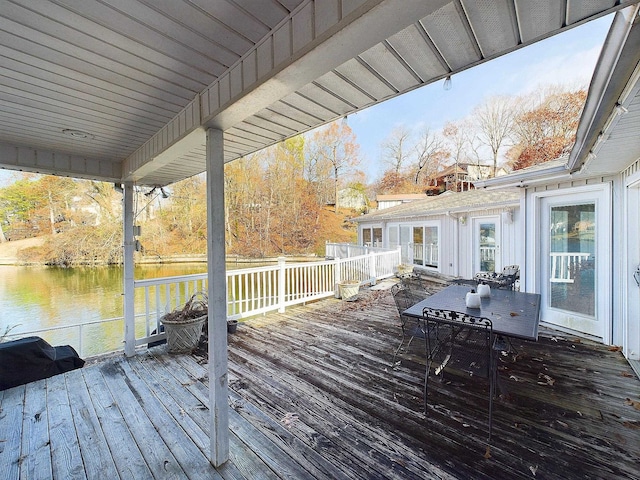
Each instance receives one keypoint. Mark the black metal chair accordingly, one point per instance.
(416, 285)
(460, 342)
(505, 280)
(405, 298)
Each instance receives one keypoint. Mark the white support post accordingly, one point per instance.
(337, 277)
(217, 278)
(373, 274)
(282, 277)
(127, 259)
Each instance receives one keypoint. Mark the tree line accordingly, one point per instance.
(503, 132)
(285, 199)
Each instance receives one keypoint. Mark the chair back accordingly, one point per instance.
(403, 299)
(459, 341)
(509, 276)
(416, 285)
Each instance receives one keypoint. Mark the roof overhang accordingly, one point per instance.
(145, 82)
(607, 140)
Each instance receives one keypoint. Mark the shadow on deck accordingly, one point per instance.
(313, 395)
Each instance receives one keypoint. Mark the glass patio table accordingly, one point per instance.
(513, 314)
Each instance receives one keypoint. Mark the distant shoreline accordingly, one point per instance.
(9, 252)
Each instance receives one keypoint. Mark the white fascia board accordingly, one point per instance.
(594, 116)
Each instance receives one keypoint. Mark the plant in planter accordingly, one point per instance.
(349, 290)
(184, 325)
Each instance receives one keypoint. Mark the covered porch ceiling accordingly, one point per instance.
(123, 90)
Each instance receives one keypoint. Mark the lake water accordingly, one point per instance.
(34, 298)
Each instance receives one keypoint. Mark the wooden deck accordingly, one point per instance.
(313, 395)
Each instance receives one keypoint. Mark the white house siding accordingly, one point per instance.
(511, 251)
(456, 237)
(626, 324)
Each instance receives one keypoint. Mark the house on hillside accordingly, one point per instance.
(460, 176)
(391, 200)
(352, 198)
(454, 234)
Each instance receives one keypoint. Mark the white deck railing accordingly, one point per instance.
(254, 291)
(250, 291)
(348, 250)
(563, 263)
(430, 251)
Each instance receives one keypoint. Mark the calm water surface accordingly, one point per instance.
(34, 298)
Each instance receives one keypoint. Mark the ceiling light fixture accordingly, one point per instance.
(447, 83)
(77, 133)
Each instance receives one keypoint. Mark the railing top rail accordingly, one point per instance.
(147, 282)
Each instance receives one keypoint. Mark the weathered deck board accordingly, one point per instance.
(11, 433)
(35, 434)
(313, 394)
(131, 463)
(97, 460)
(66, 458)
(345, 350)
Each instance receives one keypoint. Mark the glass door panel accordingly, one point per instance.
(572, 259)
(377, 237)
(393, 237)
(366, 237)
(431, 246)
(405, 243)
(487, 246)
(418, 245)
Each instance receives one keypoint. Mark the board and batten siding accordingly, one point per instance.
(456, 242)
(510, 251)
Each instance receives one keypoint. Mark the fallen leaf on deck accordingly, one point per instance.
(513, 377)
(514, 314)
(627, 374)
(634, 425)
(554, 339)
(632, 403)
(562, 424)
(289, 419)
(615, 348)
(487, 453)
(546, 379)
(534, 470)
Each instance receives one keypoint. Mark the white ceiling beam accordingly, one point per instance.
(48, 162)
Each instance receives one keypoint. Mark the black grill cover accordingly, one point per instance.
(32, 358)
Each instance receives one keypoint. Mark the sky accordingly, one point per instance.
(566, 59)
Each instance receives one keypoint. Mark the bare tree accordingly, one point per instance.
(494, 121)
(396, 149)
(336, 146)
(430, 155)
